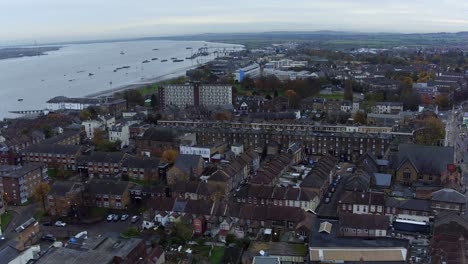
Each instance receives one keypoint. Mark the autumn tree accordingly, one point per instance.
(102, 143)
(360, 117)
(40, 192)
(85, 115)
(223, 116)
(290, 94)
(170, 155)
(247, 83)
(442, 101)
(432, 131)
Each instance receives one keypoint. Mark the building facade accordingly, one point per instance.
(19, 181)
(195, 95)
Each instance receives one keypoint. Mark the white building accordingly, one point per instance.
(65, 103)
(346, 106)
(102, 122)
(205, 152)
(356, 106)
(388, 107)
(251, 71)
(120, 132)
(288, 75)
(237, 148)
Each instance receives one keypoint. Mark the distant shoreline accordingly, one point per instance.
(15, 53)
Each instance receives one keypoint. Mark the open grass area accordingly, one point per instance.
(97, 212)
(59, 174)
(217, 255)
(5, 219)
(130, 233)
(333, 96)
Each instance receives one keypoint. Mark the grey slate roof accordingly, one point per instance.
(61, 188)
(416, 205)
(187, 162)
(426, 159)
(106, 157)
(53, 149)
(107, 187)
(8, 254)
(382, 179)
(140, 162)
(448, 195)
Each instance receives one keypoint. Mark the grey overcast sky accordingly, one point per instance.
(63, 20)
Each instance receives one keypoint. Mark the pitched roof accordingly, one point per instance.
(382, 179)
(53, 148)
(61, 188)
(187, 162)
(448, 195)
(369, 198)
(105, 157)
(140, 162)
(160, 134)
(13, 171)
(107, 187)
(416, 205)
(325, 227)
(426, 159)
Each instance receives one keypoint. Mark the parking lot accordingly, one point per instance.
(112, 228)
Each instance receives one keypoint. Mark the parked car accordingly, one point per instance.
(327, 200)
(329, 195)
(48, 237)
(116, 217)
(110, 217)
(60, 224)
(338, 167)
(333, 189)
(351, 170)
(135, 219)
(147, 225)
(124, 217)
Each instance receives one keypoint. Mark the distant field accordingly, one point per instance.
(332, 96)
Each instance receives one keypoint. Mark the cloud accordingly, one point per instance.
(80, 19)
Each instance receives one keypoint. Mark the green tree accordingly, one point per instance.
(348, 90)
(230, 238)
(433, 130)
(183, 231)
(154, 101)
(133, 98)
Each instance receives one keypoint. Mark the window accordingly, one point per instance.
(407, 175)
(372, 208)
(379, 209)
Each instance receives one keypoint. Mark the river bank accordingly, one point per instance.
(144, 83)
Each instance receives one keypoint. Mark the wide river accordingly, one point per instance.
(82, 69)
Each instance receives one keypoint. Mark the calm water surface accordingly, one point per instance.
(67, 71)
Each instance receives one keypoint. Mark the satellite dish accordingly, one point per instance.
(262, 252)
